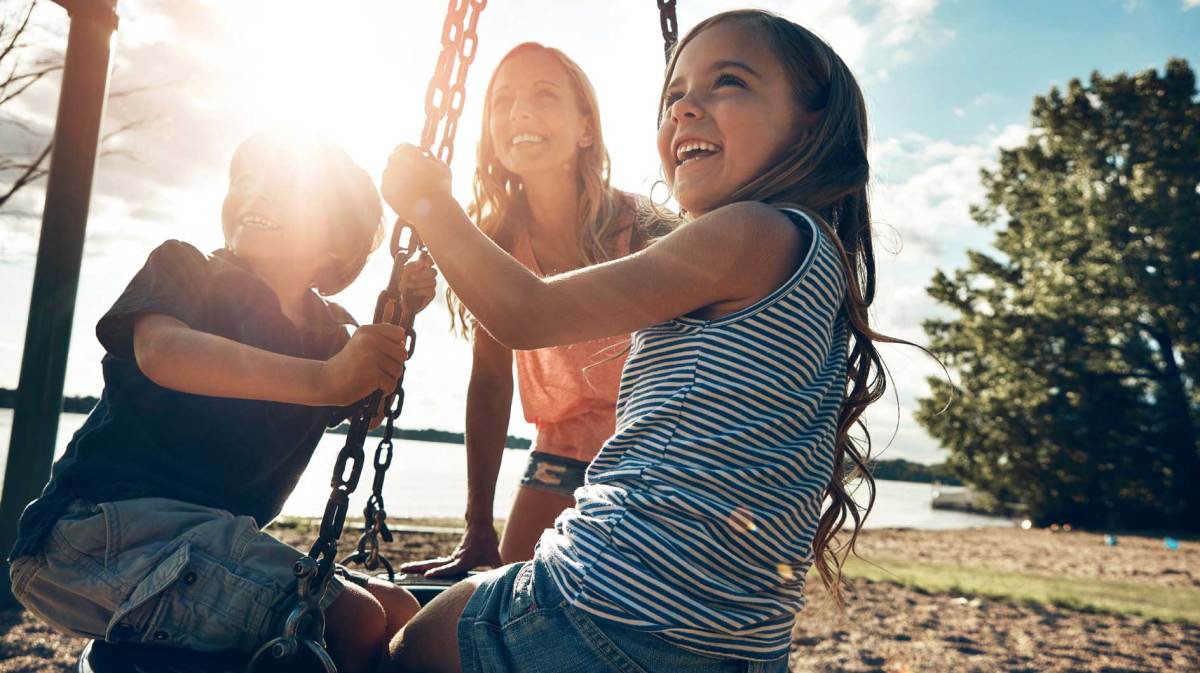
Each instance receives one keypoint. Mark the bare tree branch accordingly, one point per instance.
(30, 78)
(21, 124)
(16, 35)
(34, 171)
(22, 65)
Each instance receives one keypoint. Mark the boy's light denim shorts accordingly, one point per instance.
(517, 620)
(160, 571)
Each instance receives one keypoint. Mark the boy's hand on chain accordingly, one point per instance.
(421, 280)
(372, 360)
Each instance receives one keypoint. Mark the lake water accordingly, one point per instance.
(428, 479)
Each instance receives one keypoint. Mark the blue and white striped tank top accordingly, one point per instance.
(697, 518)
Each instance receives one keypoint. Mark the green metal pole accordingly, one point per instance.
(56, 274)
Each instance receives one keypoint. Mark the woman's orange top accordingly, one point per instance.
(574, 410)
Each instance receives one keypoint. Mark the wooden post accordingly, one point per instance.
(60, 252)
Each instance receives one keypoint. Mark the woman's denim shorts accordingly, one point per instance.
(554, 474)
(517, 620)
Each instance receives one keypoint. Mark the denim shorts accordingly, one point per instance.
(160, 571)
(554, 473)
(517, 620)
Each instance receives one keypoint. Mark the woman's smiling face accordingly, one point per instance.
(534, 121)
(729, 112)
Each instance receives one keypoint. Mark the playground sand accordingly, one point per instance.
(887, 628)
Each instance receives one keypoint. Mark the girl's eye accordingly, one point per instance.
(729, 80)
(671, 98)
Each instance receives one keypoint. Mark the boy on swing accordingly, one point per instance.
(221, 373)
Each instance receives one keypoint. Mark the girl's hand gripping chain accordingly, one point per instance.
(413, 183)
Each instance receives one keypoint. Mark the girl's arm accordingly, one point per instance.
(176, 356)
(489, 403)
(722, 261)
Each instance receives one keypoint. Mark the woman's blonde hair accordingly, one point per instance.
(499, 199)
(825, 171)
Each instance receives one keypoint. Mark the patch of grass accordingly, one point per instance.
(1174, 604)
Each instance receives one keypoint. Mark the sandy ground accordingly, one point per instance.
(1138, 560)
(890, 629)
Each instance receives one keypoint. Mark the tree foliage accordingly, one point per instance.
(1075, 343)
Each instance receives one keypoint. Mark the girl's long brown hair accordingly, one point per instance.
(826, 171)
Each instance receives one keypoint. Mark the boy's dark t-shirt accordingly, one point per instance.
(143, 440)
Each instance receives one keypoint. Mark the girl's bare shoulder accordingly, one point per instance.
(755, 221)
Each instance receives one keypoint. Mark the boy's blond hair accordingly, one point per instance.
(353, 205)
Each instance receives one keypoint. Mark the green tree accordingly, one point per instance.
(1075, 344)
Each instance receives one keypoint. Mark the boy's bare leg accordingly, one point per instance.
(356, 630)
(398, 604)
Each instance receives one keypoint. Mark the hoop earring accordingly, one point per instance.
(666, 198)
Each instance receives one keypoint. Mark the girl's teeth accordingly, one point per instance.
(694, 150)
(527, 138)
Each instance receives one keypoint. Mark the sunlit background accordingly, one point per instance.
(947, 84)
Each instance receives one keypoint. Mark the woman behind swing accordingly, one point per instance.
(542, 193)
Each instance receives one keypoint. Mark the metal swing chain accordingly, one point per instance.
(669, 25)
(305, 624)
(444, 101)
(445, 97)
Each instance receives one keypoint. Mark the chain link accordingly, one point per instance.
(444, 101)
(447, 89)
(304, 629)
(669, 25)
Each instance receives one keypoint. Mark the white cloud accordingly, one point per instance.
(1190, 4)
(921, 194)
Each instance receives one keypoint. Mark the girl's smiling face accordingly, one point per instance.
(729, 112)
(534, 118)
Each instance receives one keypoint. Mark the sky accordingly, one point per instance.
(948, 83)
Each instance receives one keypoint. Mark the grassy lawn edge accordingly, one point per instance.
(1172, 604)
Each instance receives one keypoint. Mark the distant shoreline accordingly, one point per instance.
(893, 470)
(85, 404)
(431, 435)
(71, 405)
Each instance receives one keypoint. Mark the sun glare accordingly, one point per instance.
(352, 74)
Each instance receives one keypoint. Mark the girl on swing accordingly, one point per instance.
(751, 359)
(542, 194)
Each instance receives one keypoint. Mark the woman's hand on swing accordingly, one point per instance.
(372, 360)
(478, 547)
(413, 181)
